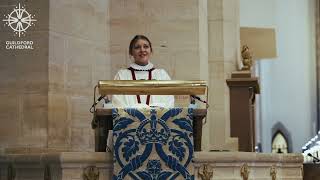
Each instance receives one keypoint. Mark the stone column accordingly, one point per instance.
(46, 92)
(223, 48)
(79, 56)
(24, 79)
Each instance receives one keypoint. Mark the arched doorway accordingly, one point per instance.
(281, 139)
(279, 143)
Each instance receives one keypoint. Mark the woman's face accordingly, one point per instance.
(141, 52)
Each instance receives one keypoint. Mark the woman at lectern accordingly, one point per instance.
(140, 49)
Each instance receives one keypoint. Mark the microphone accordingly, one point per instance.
(199, 99)
(97, 101)
(315, 159)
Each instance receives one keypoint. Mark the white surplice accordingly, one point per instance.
(142, 74)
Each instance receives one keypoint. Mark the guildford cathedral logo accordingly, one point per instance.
(19, 20)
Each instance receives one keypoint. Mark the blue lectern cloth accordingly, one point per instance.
(153, 143)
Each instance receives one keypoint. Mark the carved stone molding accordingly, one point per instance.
(206, 173)
(11, 172)
(244, 171)
(47, 173)
(273, 172)
(91, 173)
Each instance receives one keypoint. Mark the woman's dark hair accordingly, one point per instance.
(135, 39)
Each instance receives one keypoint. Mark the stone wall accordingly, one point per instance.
(46, 92)
(172, 26)
(223, 165)
(56, 166)
(78, 58)
(24, 79)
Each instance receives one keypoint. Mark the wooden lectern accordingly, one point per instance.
(242, 119)
(102, 121)
(311, 171)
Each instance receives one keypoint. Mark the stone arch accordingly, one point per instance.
(280, 128)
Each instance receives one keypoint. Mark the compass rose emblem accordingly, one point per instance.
(19, 20)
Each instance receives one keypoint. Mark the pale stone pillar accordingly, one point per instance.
(47, 92)
(24, 80)
(223, 48)
(79, 56)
